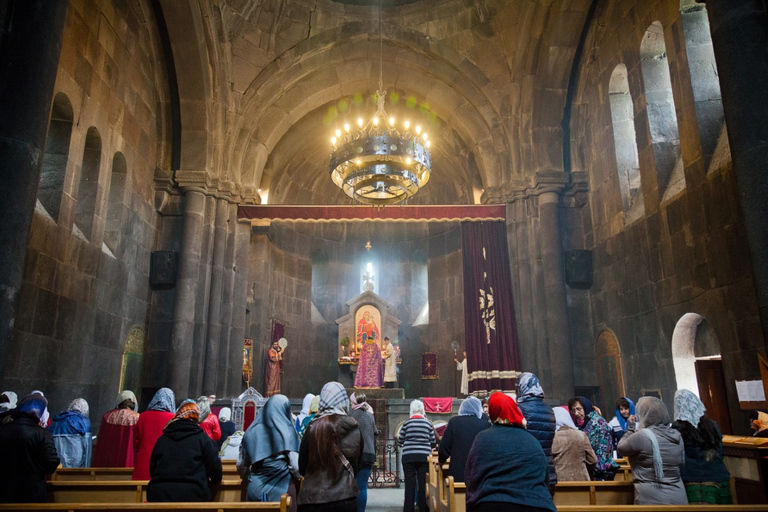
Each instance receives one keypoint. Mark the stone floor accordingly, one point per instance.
(385, 500)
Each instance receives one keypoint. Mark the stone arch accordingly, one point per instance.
(609, 368)
(278, 96)
(692, 338)
(625, 144)
(117, 202)
(660, 108)
(88, 189)
(133, 354)
(704, 77)
(56, 156)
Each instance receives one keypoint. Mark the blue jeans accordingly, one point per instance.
(362, 484)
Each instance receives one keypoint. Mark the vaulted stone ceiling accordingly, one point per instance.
(260, 79)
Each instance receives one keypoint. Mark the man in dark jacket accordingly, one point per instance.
(29, 454)
(184, 460)
(539, 416)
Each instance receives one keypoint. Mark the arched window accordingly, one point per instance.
(704, 77)
(116, 206)
(56, 156)
(133, 353)
(625, 142)
(88, 190)
(662, 118)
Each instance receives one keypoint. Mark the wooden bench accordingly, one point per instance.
(129, 491)
(663, 508)
(566, 494)
(275, 506)
(229, 472)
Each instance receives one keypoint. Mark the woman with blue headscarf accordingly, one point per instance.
(655, 453)
(149, 428)
(539, 417)
(706, 479)
(625, 409)
(586, 418)
(269, 453)
(459, 436)
(29, 453)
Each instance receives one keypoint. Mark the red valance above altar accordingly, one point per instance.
(261, 214)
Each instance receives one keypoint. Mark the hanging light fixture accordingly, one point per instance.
(380, 162)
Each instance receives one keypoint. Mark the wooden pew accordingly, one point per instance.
(663, 508)
(129, 491)
(229, 472)
(594, 493)
(276, 506)
(455, 495)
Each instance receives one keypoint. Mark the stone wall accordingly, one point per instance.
(686, 252)
(311, 270)
(83, 295)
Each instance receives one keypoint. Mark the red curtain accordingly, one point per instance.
(493, 354)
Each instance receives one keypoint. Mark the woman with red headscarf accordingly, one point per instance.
(506, 468)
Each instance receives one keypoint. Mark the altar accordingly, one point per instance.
(368, 342)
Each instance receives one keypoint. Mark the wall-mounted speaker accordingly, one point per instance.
(578, 269)
(162, 270)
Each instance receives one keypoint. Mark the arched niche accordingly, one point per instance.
(88, 190)
(609, 369)
(133, 355)
(117, 203)
(56, 156)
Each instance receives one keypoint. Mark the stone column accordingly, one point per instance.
(187, 284)
(31, 47)
(213, 335)
(228, 283)
(740, 38)
(560, 351)
(239, 299)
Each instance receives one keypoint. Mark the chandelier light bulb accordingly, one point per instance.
(424, 136)
(357, 161)
(418, 129)
(375, 121)
(346, 127)
(333, 140)
(360, 122)
(338, 133)
(428, 143)
(391, 121)
(408, 161)
(406, 124)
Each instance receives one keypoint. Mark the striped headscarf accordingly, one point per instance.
(333, 400)
(188, 410)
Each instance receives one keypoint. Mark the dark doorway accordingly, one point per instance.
(709, 375)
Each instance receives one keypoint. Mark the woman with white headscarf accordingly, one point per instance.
(459, 436)
(417, 438)
(655, 453)
(115, 442)
(8, 400)
(706, 479)
(571, 451)
(71, 431)
(226, 425)
(328, 455)
(304, 411)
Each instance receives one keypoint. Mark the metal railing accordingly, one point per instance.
(386, 472)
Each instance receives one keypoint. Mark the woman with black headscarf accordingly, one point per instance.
(269, 453)
(29, 453)
(655, 452)
(599, 434)
(328, 456)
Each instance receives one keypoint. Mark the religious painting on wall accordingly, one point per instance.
(248, 361)
(368, 326)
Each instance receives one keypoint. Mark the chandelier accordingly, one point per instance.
(379, 162)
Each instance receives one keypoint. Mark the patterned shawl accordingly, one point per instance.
(333, 400)
(528, 387)
(204, 404)
(79, 405)
(164, 400)
(688, 407)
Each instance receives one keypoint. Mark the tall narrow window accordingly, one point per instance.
(88, 190)
(116, 207)
(56, 156)
(627, 163)
(662, 118)
(704, 77)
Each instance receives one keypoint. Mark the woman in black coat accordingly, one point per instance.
(29, 453)
(459, 436)
(185, 461)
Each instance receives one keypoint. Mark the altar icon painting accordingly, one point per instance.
(370, 369)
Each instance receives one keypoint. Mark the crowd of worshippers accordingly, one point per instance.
(509, 452)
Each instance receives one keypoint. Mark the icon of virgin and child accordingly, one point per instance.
(370, 367)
